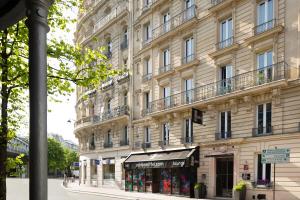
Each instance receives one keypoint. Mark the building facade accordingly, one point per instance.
(237, 61)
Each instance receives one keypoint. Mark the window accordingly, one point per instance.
(147, 135)
(265, 16)
(109, 49)
(263, 172)
(125, 137)
(226, 33)
(125, 63)
(167, 96)
(125, 35)
(166, 22)
(265, 67)
(226, 75)
(125, 99)
(188, 130)
(264, 119)
(147, 3)
(225, 125)
(189, 9)
(189, 3)
(147, 32)
(92, 142)
(166, 133)
(147, 100)
(109, 137)
(188, 50)
(165, 61)
(188, 86)
(109, 105)
(148, 68)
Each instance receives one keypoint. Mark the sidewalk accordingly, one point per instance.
(115, 193)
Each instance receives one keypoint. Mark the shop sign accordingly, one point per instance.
(76, 164)
(156, 164)
(97, 162)
(197, 116)
(275, 156)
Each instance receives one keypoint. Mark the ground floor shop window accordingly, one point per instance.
(177, 181)
(109, 171)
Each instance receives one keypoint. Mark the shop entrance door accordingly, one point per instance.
(224, 176)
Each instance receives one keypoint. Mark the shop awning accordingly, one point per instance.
(163, 159)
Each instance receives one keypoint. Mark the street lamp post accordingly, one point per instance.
(37, 12)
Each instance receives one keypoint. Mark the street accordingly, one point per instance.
(18, 189)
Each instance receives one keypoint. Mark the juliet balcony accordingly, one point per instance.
(179, 22)
(275, 75)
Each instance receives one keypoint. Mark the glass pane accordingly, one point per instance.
(270, 10)
(229, 28)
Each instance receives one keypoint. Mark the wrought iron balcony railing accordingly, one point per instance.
(147, 77)
(108, 144)
(225, 43)
(164, 69)
(147, 41)
(113, 113)
(188, 58)
(146, 145)
(223, 135)
(122, 77)
(262, 131)
(187, 140)
(115, 12)
(174, 22)
(163, 143)
(264, 26)
(259, 77)
(124, 143)
(216, 2)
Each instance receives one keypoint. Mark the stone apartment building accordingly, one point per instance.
(235, 61)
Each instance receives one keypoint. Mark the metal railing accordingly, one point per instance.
(268, 74)
(115, 12)
(113, 113)
(174, 22)
(124, 76)
(147, 77)
(225, 43)
(216, 2)
(147, 41)
(262, 131)
(223, 135)
(164, 69)
(163, 143)
(124, 143)
(264, 26)
(188, 58)
(108, 144)
(146, 145)
(124, 45)
(187, 140)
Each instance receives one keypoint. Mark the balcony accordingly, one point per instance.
(225, 46)
(146, 145)
(124, 45)
(187, 140)
(113, 113)
(123, 77)
(107, 84)
(240, 83)
(218, 5)
(124, 143)
(163, 143)
(147, 77)
(262, 131)
(264, 30)
(147, 41)
(108, 144)
(179, 22)
(92, 146)
(116, 12)
(223, 135)
(164, 71)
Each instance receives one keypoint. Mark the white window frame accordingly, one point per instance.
(165, 127)
(264, 116)
(147, 134)
(189, 49)
(166, 22)
(264, 170)
(166, 57)
(188, 88)
(225, 123)
(190, 131)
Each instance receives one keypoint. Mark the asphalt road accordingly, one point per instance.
(18, 189)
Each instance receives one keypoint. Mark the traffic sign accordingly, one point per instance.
(76, 164)
(275, 156)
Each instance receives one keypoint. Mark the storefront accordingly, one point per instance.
(165, 172)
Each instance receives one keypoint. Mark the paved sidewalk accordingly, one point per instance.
(74, 187)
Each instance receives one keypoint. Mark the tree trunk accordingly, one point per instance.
(4, 120)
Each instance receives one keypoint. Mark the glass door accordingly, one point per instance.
(265, 67)
(224, 177)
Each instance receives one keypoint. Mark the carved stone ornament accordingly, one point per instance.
(249, 103)
(276, 93)
(234, 105)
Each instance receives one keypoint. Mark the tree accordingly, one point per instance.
(70, 157)
(56, 156)
(92, 68)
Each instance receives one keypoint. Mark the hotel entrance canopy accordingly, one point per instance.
(163, 159)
